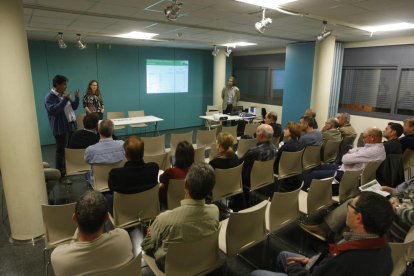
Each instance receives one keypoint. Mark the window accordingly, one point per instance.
(384, 92)
(405, 102)
(261, 85)
(368, 89)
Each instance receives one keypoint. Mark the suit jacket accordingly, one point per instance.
(134, 177)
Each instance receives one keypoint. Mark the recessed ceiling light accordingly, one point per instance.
(137, 35)
(389, 27)
(270, 4)
(240, 44)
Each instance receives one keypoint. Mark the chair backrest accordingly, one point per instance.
(116, 115)
(58, 224)
(410, 250)
(360, 142)
(290, 164)
(101, 174)
(131, 268)
(228, 182)
(192, 258)
(399, 257)
(408, 158)
(319, 195)
(246, 228)
(213, 151)
(347, 141)
(244, 145)
(213, 108)
(311, 157)
(178, 137)
(250, 129)
(348, 186)
(200, 154)
(175, 193)
(136, 113)
(331, 150)
(79, 120)
(206, 137)
(160, 159)
(276, 141)
(154, 145)
(230, 129)
(283, 209)
(369, 172)
(261, 174)
(75, 161)
(131, 209)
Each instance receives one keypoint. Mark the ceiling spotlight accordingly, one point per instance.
(263, 24)
(81, 45)
(325, 33)
(228, 52)
(62, 44)
(172, 11)
(215, 51)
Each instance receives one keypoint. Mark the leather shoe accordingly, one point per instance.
(318, 231)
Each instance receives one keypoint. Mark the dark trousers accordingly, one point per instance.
(61, 143)
(321, 172)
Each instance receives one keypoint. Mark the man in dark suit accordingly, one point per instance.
(83, 138)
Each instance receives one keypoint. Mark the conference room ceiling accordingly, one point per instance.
(204, 23)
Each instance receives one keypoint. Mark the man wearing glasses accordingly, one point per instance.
(364, 249)
(356, 159)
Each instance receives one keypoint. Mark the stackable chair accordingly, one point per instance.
(178, 137)
(130, 210)
(101, 175)
(59, 227)
(189, 258)
(137, 113)
(311, 157)
(117, 115)
(244, 145)
(154, 145)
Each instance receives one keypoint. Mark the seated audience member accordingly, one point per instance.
(311, 113)
(87, 136)
(391, 171)
(311, 136)
(391, 133)
(189, 222)
(330, 131)
(334, 222)
(407, 142)
(184, 158)
(136, 175)
(363, 251)
(292, 132)
(271, 119)
(107, 150)
(355, 159)
(92, 250)
(263, 151)
(345, 126)
(226, 158)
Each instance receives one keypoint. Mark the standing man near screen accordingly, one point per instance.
(230, 95)
(62, 119)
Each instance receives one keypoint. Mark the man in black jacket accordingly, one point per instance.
(87, 136)
(363, 251)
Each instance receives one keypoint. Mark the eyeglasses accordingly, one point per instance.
(354, 207)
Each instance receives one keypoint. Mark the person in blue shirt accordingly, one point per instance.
(62, 119)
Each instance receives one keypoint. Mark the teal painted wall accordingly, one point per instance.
(121, 72)
(298, 80)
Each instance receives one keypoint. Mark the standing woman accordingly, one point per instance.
(92, 101)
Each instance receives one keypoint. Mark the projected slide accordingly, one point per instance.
(167, 76)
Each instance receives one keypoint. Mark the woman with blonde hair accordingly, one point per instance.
(226, 158)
